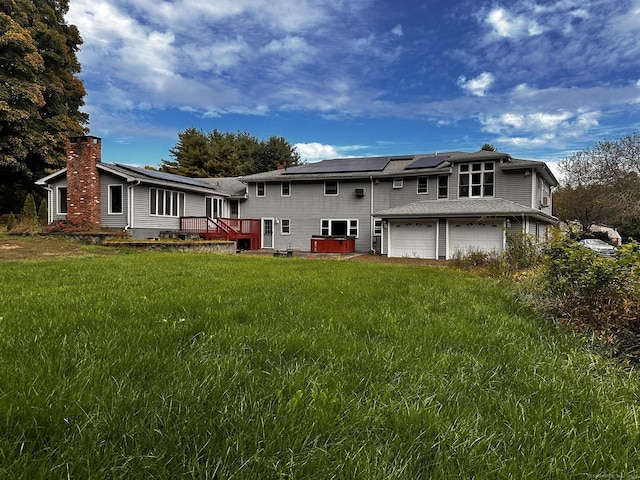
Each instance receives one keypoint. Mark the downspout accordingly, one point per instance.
(50, 205)
(372, 223)
(130, 204)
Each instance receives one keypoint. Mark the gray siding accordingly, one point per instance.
(307, 206)
(112, 220)
(53, 206)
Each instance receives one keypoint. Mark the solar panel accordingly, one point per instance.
(427, 162)
(343, 165)
(169, 177)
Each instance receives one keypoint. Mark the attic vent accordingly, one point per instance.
(545, 201)
(360, 192)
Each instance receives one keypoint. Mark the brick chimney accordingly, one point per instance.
(83, 181)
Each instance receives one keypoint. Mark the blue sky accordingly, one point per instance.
(336, 78)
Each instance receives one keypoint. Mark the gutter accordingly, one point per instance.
(372, 226)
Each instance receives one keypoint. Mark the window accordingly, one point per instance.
(233, 207)
(213, 207)
(62, 200)
(443, 186)
(285, 226)
(115, 199)
(339, 228)
(331, 187)
(476, 179)
(397, 183)
(423, 185)
(261, 189)
(166, 203)
(377, 228)
(285, 189)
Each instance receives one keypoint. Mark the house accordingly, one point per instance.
(140, 201)
(426, 206)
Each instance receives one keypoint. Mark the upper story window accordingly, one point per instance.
(330, 187)
(443, 186)
(115, 199)
(476, 179)
(166, 203)
(261, 189)
(423, 185)
(285, 189)
(397, 182)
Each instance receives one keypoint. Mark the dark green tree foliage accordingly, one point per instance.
(29, 210)
(218, 154)
(43, 213)
(40, 95)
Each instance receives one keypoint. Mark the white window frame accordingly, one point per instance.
(285, 226)
(398, 182)
(264, 189)
(476, 175)
(288, 189)
(61, 200)
(353, 226)
(172, 199)
(422, 181)
(377, 228)
(110, 199)
(337, 188)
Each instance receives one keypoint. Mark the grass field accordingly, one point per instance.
(165, 365)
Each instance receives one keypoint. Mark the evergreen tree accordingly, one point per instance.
(40, 95)
(43, 213)
(224, 154)
(29, 210)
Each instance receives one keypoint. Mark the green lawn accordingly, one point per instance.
(161, 365)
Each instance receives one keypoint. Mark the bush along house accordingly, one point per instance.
(423, 206)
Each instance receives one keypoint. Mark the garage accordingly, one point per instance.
(469, 235)
(412, 238)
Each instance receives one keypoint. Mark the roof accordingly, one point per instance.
(396, 166)
(462, 208)
(229, 187)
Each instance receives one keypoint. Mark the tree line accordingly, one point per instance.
(601, 185)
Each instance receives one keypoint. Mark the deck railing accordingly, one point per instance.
(232, 229)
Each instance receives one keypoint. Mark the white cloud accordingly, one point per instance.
(397, 31)
(477, 86)
(314, 151)
(508, 25)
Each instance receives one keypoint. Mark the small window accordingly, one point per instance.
(233, 207)
(353, 228)
(285, 190)
(377, 228)
(260, 189)
(115, 199)
(324, 227)
(331, 187)
(423, 185)
(443, 186)
(285, 226)
(397, 183)
(62, 200)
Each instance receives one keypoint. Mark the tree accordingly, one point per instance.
(40, 95)
(219, 154)
(602, 183)
(488, 147)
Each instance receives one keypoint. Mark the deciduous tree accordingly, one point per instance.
(40, 94)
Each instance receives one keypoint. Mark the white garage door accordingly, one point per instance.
(412, 238)
(471, 235)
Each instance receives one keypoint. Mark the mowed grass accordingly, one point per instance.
(160, 365)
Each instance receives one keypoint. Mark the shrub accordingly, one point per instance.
(594, 292)
(29, 213)
(43, 213)
(11, 222)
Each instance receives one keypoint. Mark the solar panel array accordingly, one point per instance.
(343, 165)
(168, 177)
(427, 162)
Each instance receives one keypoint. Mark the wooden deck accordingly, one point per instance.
(244, 232)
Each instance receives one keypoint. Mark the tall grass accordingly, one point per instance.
(157, 365)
